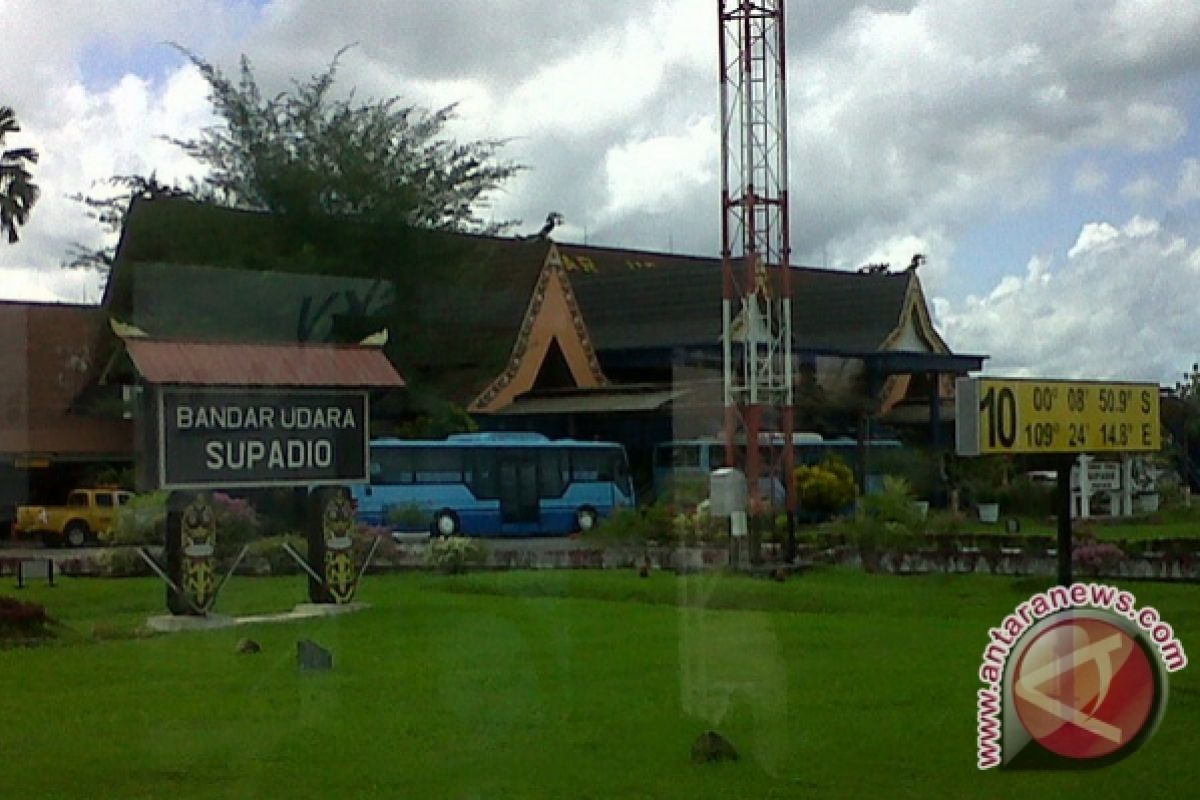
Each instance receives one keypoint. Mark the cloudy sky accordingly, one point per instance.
(1044, 154)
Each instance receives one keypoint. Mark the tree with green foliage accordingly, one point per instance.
(18, 192)
(309, 155)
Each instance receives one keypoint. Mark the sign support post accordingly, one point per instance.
(1062, 508)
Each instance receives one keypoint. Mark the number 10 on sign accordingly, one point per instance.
(1005, 415)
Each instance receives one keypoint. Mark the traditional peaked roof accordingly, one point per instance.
(636, 300)
(48, 356)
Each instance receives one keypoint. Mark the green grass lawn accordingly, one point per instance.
(550, 684)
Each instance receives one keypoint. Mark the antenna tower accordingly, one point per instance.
(756, 304)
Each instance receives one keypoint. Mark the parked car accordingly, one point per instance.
(88, 513)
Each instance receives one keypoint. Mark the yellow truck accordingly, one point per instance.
(87, 514)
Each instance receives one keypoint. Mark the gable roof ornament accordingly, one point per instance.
(538, 329)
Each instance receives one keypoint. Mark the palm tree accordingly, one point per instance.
(17, 191)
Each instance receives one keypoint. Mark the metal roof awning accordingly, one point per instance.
(237, 364)
(593, 401)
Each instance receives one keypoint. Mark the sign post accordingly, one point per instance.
(1057, 418)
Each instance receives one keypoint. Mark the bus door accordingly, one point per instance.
(518, 487)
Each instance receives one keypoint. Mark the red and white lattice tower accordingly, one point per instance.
(756, 306)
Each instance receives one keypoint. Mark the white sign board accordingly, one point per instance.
(1103, 476)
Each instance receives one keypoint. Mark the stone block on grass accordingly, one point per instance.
(312, 657)
(712, 747)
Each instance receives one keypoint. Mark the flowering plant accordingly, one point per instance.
(1095, 558)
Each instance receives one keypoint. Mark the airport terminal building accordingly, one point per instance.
(519, 333)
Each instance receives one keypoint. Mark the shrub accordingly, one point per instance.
(698, 526)
(122, 564)
(1095, 558)
(945, 523)
(23, 621)
(625, 525)
(894, 504)
(364, 538)
(659, 522)
(142, 520)
(237, 524)
(408, 517)
(920, 469)
(683, 491)
(985, 492)
(885, 520)
(1024, 497)
(269, 552)
(824, 488)
(101, 476)
(454, 555)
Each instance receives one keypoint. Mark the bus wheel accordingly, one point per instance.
(585, 519)
(445, 523)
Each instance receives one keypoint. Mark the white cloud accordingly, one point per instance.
(74, 286)
(1089, 179)
(1122, 305)
(1139, 227)
(898, 249)
(116, 131)
(652, 173)
(1188, 189)
(1143, 187)
(940, 114)
(1094, 237)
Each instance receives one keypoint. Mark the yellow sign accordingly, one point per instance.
(31, 463)
(1008, 415)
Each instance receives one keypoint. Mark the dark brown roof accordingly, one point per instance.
(636, 299)
(48, 355)
(453, 303)
(223, 364)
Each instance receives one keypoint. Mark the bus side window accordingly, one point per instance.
(551, 482)
(438, 465)
(618, 468)
(483, 474)
(391, 466)
(686, 455)
(588, 464)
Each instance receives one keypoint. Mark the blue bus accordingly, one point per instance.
(494, 484)
(693, 459)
